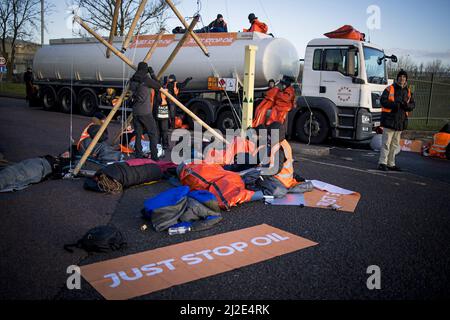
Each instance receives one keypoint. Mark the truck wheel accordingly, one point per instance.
(200, 108)
(88, 102)
(317, 126)
(66, 99)
(226, 120)
(48, 98)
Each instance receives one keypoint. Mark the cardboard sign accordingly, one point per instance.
(328, 200)
(411, 145)
(143, 273)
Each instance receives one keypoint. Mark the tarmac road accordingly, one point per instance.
(401, 224)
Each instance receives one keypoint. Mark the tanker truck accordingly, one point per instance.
(338, 96)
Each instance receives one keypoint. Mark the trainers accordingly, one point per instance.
(383, 167)
(394, 168)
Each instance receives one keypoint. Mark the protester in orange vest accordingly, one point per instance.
(256, 25)
(265, 105)
(281, 158)
(165, 110)
(227, 186)
(227, 156)
(441, 144)
(102, 150)
(396, 101)
(284, 101)
(91, 130)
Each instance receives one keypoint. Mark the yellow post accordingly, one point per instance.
(249, 87)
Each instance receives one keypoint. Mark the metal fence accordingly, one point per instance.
(432, 96)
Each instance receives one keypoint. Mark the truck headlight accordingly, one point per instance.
(366, 119)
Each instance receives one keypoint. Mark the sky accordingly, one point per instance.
(420, 29)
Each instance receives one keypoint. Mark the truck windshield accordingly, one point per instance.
(375, 66)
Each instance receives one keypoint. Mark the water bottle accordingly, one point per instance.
(179, 230)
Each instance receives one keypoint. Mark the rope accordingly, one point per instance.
(310, 120)
(71, 101)
(266, 15)
(233, 109)
(109, 185)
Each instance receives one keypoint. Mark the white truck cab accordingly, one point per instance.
(341, 88)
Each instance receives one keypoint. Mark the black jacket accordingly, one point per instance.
(140, 84)
(397, 119)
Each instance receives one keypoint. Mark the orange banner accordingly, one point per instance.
(328, 200)
(143, 273)
(208, 39)
(411, 145)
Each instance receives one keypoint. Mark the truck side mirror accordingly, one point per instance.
(358, 80)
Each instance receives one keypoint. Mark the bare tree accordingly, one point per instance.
(19, 20)
(435, 67)
(99, 14)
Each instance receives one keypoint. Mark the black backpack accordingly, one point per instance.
(100, 239)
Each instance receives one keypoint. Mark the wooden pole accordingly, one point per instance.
(154, 45)
(139, 11)
(164, 68)
(193, 115)
(180, 17)
(178, 47)
(105, 43)
(114, 26)
(102, 129)
(119, 102)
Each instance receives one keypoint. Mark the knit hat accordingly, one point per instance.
(402, 73)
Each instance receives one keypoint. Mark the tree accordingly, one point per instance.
(19, 20)
(100, 15)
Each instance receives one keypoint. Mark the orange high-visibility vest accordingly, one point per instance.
(440, 143)
(175, 90)
(286, 175)
(125, 148)
(258, 26)
(392, 98)
(226, 156)
(84, 135)
(227, 186)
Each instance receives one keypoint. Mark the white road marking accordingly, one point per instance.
(364, 171)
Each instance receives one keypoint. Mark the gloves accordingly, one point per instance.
(189, 79)
(150, 70)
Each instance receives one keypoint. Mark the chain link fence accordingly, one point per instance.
(432, 95)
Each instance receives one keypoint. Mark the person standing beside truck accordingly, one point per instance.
(397, 102)
(256, 25)
(28, 79)
(143, 121)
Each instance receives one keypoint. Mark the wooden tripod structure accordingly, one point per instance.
(119, 102)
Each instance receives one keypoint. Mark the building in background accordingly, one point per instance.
(25, 52)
